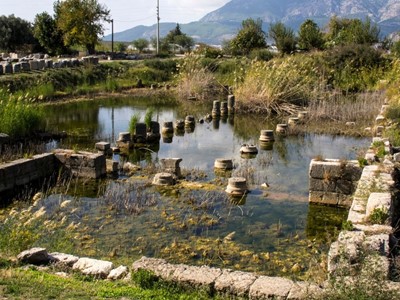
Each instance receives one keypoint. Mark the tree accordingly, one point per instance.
(250, 37)
(120, 47)
(310, 36)
(81, 22)
(284, 37)
(352, 31)
(15, 34)
(177, 37)
(47, 33)
(140, 44)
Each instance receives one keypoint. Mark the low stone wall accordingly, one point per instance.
(228, 282)
(333, 181)
(21, 172)
(33, 64)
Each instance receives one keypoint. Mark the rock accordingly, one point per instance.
(118, 273)
(94, 267)
(235, 283)
(270, 288)
(35, 256)
(64, 259)
(304, 290)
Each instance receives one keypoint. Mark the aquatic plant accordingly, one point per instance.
(149, 116)
(135, 118)
(19, 117)
(279, 86)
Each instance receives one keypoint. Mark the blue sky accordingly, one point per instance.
(126, 13)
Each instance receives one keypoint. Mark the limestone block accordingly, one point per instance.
(345, 187)
(34, 65)
(163, 179)
(41, 64)
(118, 273)
(49, 63)
(322, 185)
(378, 243)
(304, 290)
(112, 166)
(376, 266)
(103, 146)
(35, 256)
(25, 66)
(379, 200)
(141, 131)
(64, 259)
(235, 283)
(1, 69)
(323, 198)
(94, 267)
(7, 69)
(270, 288)
(203, 276)
(344, 253)
(17, 68)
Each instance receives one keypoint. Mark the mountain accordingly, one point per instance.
(223, 23)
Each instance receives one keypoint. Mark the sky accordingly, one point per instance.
(126, 13)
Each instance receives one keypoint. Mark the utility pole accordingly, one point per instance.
(112, 38)
(158, 26)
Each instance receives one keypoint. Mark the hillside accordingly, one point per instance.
(224, 22)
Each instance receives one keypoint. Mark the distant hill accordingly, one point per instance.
(223, 23)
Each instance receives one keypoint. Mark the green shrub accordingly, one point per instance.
(145, 279)
(378, 216)
(149, 116)
(261, 54)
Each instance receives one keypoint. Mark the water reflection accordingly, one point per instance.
(266, 220)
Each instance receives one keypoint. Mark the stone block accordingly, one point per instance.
(322, 185)
(304, 290)
(103, 146)
(7, 69)
(270, 288)
(345, 187)
(49, 63)
(35, 256)
(325, 198)
(1, 69)
(378, 243)
(203, 276)
(34, 65)
(64, 259)
(17, 68)
(94, 267)
(118, 273)
(234, 283)
(379, 200)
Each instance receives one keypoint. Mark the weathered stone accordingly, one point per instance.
(17, 68)
(171, 165)
(163, 179)
(118, 273)
(102, 146)
(203, 276)
(379, 201)
(377, 244)
(344, 253)
(112, 166)
(322, 185)
(270, 288)
(64, 259)
(304, 290)
(376, 266)
(94, 267)
(35, 256)
(234, 283)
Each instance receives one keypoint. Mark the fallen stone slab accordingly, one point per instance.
(203, 276)
(270, 288)
(304, 290)
(118, 273)
(64, 259)
(234, 283)
(35, 256)
(94, 267)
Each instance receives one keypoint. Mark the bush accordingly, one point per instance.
(354, 68)
(261, 54)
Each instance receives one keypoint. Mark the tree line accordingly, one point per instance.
(81, 23)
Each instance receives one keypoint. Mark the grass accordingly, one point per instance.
(18, 117)
(135, 118)
(28, 283)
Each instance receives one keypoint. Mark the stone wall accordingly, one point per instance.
(33, 64)
(21, 172)
(333, 181)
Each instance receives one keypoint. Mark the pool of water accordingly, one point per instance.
(272, 230)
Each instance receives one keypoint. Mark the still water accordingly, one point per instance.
(269, 231)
